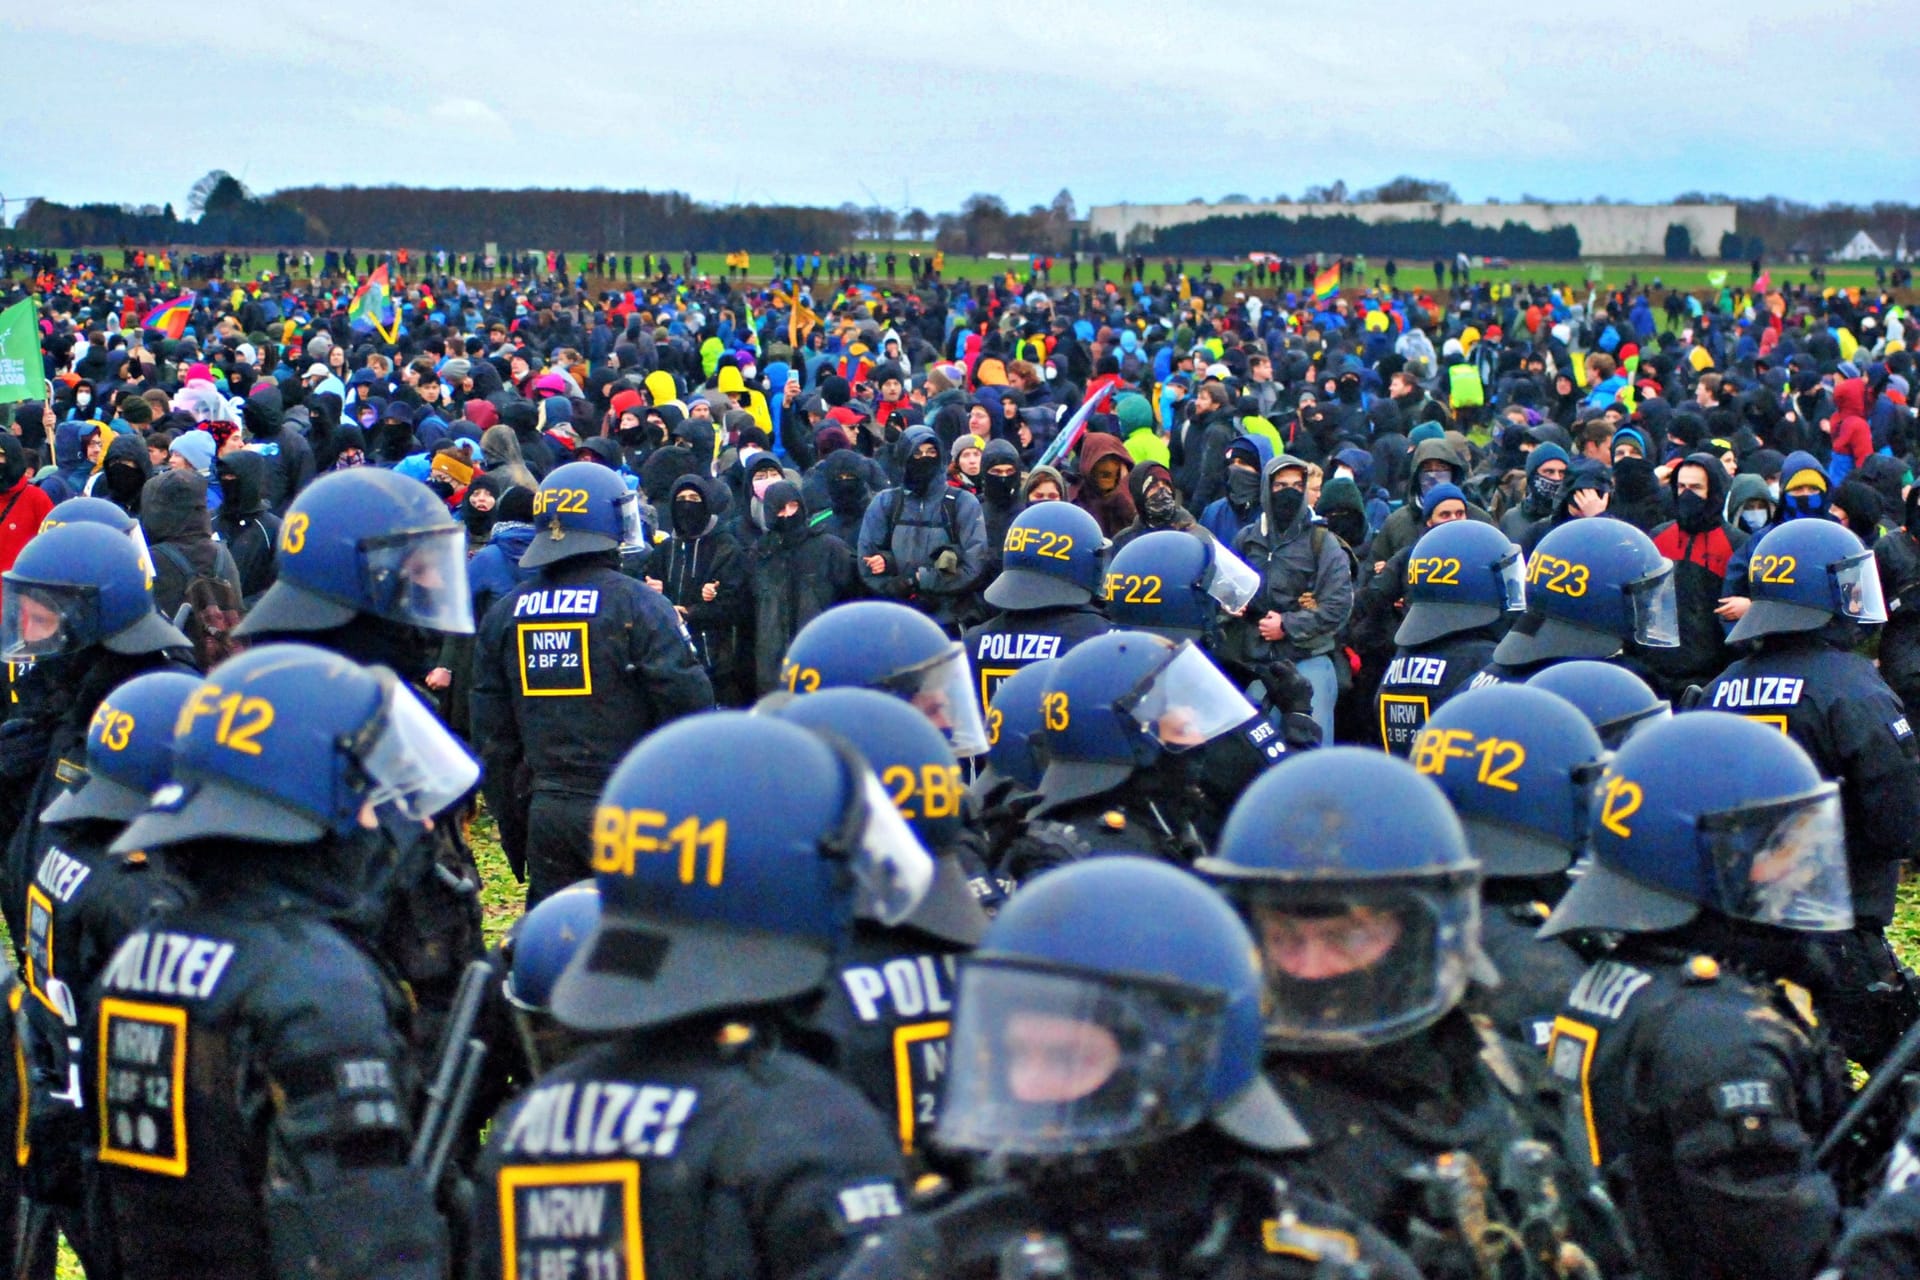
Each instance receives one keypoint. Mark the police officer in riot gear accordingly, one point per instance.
(1364, 900)
(248, 1059)
(371, 567)
(1147, 743)
(705, 1147)
(1813, 587)
(570, 668)
(1694, 1085)
(1105, 1081)
(1596, 588)
(879, 644)
(1006, 790)
(883, 1020)
(78, 608)
(1046, 594)
(81, 903)
(1519, 766)
(1464, 583)
(536, 952)
(1616, 702)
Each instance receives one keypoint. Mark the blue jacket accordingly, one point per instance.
(495, 569)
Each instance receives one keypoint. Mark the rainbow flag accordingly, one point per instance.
(170, 317)
(1327, 283)
(372, 308)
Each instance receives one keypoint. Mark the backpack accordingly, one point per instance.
(209, 613)
(949, 510)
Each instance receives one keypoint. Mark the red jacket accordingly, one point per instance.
(22, 508)
(1851, 434)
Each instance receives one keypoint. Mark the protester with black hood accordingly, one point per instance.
(1155, 503)
(1587, 491)
(124, 470)
(1700, 542)
(1546, 469)
(523, 418)
(1435, 461)
(289, 458)
(480, 507)
(795, 572)
(244, 522)
(836, 493)
(179, 533)
(924, 543)
(1000, 502)
(702, 570)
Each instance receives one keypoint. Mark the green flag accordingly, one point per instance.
(1595, 273)
(21, 377)
(1717, 279)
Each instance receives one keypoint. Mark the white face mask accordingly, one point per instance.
(1754, 518)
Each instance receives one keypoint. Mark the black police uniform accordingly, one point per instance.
(1418, 680)
(1014, 638)
(1695, 1097)
(1380, 1118)
(249, 1066)
(1835, 705)
(886, 1015)
(1210, 1209)
(1535, 973)
(570, 670)
(705, 1152)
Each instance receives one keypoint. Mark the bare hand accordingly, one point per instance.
(1733, 608)
(1589, 502)
(1272, 627)
(656, 584)
(1307, 601)
(439, 678)
(875, 564)
(709, 591)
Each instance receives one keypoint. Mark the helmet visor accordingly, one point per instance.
(1188, 702)
(1234, 582)
(944, 691)
(1352, 966)
(413, 762)
(1856, 589)
(1048, 1063)
(1784, 864)
(1656, 610)
(40, 621)
(633, 532)
(892, 871)
(420, 578)
(1512, 572)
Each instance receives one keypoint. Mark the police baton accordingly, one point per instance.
(1879, 1084)
(456, 1072)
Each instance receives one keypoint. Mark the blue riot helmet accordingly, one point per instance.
(1804, 574)
(1616, 702)
(1711, 811)
(366, 541)
(288, 744)
(1175, 582)
(1051, 559)
(723, 897)
(78, 586)
(1113, 1003)
(100, 511)
(1354, 873)
(538, 950)
(1519, 765)
(1461, 576)
(1018, 749)
(878, 644)
(920, 774)
(1121, 701)
(1593, 587)
(581, 509)
(129, 749)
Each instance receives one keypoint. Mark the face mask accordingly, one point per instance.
(1754, 520)
(999, 489)
(1428, 479)
(83, 400)
(847, 492)
(1243, 487)
(765, 481)
(787, 526)
(1160, 503)
(1801, 506)
(689, 518)
(921, 470)
(1543, 490)
(1773, 492)
(1693, 513)
(1286, 506)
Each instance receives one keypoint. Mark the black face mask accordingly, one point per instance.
(1243, 487)
(919, 471)
(1351, 525)
(124, 482)
(790, 527)
(1161, 504)
(1694, 513)
(1542, 491)
(999, 490)
(12, 467)
(689, 518)
(848, 493)
(1286, 507)
(1633, 478)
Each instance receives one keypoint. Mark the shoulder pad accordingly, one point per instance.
(1114, 820)
(1529, 913)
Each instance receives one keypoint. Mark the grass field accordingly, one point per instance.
(1690, 276)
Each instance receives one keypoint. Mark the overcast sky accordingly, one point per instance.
(924, 103)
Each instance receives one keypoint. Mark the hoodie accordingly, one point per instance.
(1137, 482)
(1701, 555)
(124, 470)
(69, 477)
(912, 529)
(1293, 560)
(289, 457)
(686, 563)
(173, 516)
(245, 523)
(1852, 436)
(1114, 510)
(1224, 518)
(1404, 527)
